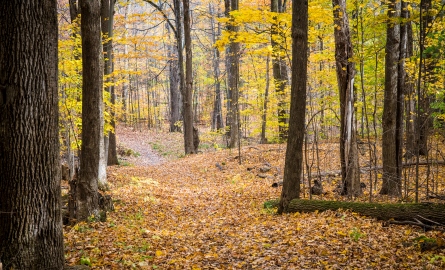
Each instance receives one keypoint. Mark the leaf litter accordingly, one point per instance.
(190, 214)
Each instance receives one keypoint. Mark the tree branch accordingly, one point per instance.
(163, 14)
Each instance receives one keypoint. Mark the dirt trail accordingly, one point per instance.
(139, 142)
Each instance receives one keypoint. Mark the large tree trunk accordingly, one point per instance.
(217, 118)
(30, 207)
(392, 128)
(424, 212)
(345, 78)
(233, 78)
(92, 111)
(187, 93)
(279, 69)
(294, 152)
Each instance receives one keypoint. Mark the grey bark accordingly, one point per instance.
(107, 19)
(391, 142)
(406, 42)
(279, 70)
(233, 78)
(31, 235)
(187, 92)
(92, 110)
(345, 79)
(217, 117)
(266, 100)
(175, 94)
(294, 151)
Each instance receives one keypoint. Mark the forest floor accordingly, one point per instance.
(206, 211)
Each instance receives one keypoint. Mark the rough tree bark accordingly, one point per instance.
(392, 127)
(406, 43)
(107, 19)
(92, 111)
(345, 79)
(424, 212)
(175, 94)
(187, 91)
(294, 151)
(233, 78)
(279, 68)
(30, 204)
(266, 100)
(217, 117)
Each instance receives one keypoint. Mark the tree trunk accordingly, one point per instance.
(266, 99)
(345, 78)
(425, 212)
(406, 40)
(107, 19)
(279, 69)
(175, 94)
(31, 235)
(74, 10)
(92, 110)
(294, 152)
(233, 78)
(217, 118)
(391, 143)
(126, 85)
(187, 93)
(427, 67)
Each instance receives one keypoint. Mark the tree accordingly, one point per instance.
(187, 90)
(294, 152)
(392, 126)
(217, 117)
(92, 111)
(232, 76)
(279, 67)
(30, 218)
(107, 15)
(345, 79)
(175, 94)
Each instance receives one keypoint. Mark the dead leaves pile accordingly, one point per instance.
(191, 214)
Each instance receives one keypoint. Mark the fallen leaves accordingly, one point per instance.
(189, 214)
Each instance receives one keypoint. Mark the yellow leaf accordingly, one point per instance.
(159, 253)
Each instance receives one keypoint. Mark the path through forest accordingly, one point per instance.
(139, 143)
(190, 214)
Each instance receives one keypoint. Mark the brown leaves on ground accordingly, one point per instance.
(191, 214)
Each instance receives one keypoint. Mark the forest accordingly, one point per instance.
(211, 134)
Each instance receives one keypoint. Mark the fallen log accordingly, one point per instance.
(432, 214)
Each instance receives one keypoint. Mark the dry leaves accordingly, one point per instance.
(190, 214)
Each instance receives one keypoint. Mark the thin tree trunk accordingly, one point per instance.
(294, 151)
(406, 32)
(112, 151)
(217, 118)
(279, 70)
(266, 97)
(126, 85)
(31, 235)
